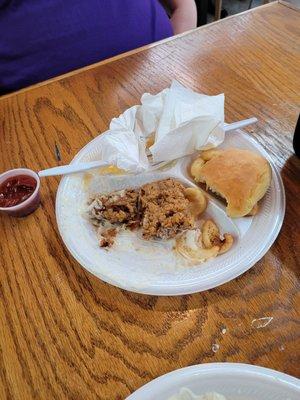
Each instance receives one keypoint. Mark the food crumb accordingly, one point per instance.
(108, 237)
(224, 330)
(215, 347)
(261, 322)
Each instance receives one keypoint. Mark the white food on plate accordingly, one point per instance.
(186, 394)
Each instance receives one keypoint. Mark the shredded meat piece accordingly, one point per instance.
(118, 207)
(108, 237)
(164, 209)
(160, 208)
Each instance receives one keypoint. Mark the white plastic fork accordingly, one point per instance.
(73, 168)
(239, 124)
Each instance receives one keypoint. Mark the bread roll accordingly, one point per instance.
(241, 177)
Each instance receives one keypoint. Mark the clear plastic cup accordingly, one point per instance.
(31, 203)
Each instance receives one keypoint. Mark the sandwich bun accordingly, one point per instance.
(241, 177)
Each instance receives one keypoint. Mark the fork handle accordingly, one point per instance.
(71, 168)
(239, 124)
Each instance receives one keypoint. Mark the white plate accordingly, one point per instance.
(144, 267)
(232, 380)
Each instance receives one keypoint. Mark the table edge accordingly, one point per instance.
(289, 5)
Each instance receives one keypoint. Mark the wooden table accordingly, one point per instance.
(66, 334)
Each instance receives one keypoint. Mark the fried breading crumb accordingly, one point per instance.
(164, 209)
(108, 237)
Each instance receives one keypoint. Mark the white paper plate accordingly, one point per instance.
(144, 267)
(232, 380)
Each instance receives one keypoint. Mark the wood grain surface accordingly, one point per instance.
(67, 335)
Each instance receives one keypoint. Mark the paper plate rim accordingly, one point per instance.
(172, 378)
(193, 285)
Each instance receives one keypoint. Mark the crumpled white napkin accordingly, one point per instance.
(181, 120)
(121, 145)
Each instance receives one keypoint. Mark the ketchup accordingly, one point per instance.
(16, 190)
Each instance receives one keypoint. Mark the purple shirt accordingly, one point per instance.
(40, 39)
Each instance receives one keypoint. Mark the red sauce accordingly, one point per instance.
(16, 190)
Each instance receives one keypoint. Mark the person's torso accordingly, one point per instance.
(44, 38)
